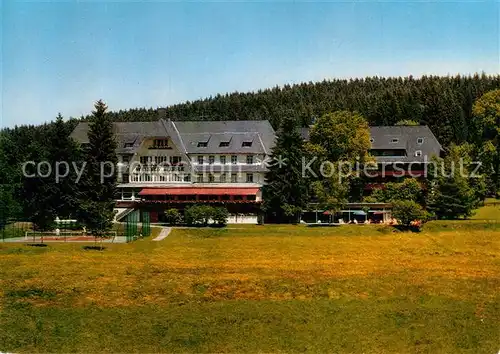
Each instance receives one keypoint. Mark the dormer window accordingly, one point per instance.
(394, 140)
(202, 144)
(224, 144)
(128, 145)
(246, 144)
(420, 141)
(418, 153)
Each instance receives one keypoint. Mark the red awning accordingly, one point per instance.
(199, 191)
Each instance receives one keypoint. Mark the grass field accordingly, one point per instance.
(359, 288)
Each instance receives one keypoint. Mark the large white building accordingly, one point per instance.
(164, 164)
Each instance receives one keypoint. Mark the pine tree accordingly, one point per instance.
(96, 191)
(452, 192)
(285, 191)
(452, 198)
(63, 152)
(37, 188)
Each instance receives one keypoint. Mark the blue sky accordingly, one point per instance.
(62, 56)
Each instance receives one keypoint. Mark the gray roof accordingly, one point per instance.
(214, 141)
(187, 134)
(407, 139)
(125, 133)
(259, 132)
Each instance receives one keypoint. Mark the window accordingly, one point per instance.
(187, 178)
(234, 159)
(420, 141)
(127, 145)
(125, 158)
(394, 140)
(200, 160)
(199, 179)
(222, 159)
(202, 144)
(246, 144)
(233, 178)
(144, 160)
(249, 159)
(211, 178)
(174, 160)
(160, 144)
(211, 159)
(224, 144)
(372, 140)
(249, 177)
(418, 153)
(223, 178)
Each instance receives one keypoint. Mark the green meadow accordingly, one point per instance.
(349, 289)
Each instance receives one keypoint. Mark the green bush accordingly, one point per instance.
(198, 215)
(220, 216)
(203, 214)
(173, 216)
(407, 211)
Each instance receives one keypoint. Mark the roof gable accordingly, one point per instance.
(186, 135)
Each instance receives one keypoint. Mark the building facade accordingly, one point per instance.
(165, 164)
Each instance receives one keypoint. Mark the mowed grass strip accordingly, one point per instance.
(349, 289)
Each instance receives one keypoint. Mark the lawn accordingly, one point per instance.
(356, 288)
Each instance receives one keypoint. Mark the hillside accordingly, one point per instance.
(443, 103)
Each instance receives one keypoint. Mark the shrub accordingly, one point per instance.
(173, 216)
(220, 216)
(407, 211)
(204, 214)
(192, 215)
(198, 214)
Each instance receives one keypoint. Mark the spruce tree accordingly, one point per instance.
(96, 191)
(63, 152)
(285, 191)
(453, 193)
(37, 187)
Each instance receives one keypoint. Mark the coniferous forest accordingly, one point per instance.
(443, 103)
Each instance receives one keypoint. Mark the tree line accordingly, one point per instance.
(32, 188)
(442, 103)
(445, 104)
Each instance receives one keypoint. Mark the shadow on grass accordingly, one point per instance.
(37, 244)
(405, 228)
(93, 248)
